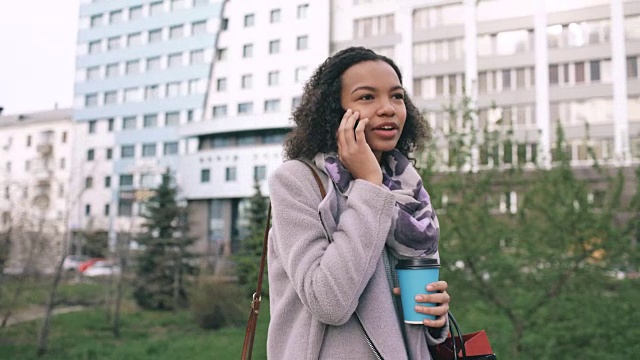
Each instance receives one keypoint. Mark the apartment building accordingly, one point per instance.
(265, 53)
(530, 64)
(35, 199)
(142, 69)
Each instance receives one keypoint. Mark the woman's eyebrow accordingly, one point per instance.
(371, 88)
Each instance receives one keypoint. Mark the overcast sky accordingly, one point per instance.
(37, 54)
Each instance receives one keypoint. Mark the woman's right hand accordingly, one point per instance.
(354, 152)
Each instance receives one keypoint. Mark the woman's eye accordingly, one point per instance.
(366, 97)
(398, 96)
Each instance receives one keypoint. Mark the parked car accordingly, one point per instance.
(102, 268)
(87, 264)
(72, 262)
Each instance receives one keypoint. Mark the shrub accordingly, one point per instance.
(218, 303)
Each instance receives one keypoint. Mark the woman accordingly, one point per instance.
(330, 294)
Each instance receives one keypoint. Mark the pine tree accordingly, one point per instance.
(165, 262)
(248, 258)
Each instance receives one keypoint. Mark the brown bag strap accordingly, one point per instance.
(250, 333)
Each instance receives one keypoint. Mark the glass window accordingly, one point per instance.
(512, 42)
(149, 150)
(109, 153)
(196, 57)
(553, 74)
(273, 78)
(127, 151)
(259, 172)
(175, 60)
(91, 155)
(112, 70)
(230, 173)
(594, 70)
(96, 20)
(87, 209)
(221, 84)
(198, 27)
(113, 43)
(245, 108)
(150, 120)
(110, 97)
(170, 148)
(151, 92)
(91, 100)
(107, 181)
(520, 78)
(219, 111)
(172, 118)
(177, 4)
(190, 115)
(126, 180)
(110, 124)
(93, 73)
(300, 74)
(132, 67)
(125, 207)
(221, 54)
(134, 39)
(95, 47)
(115, 17)
(249, 20)
(302, 42)
(303, 10)
(153, 63)
(632, 28)
(579, 71)
(135, 13)
(246, 81)
(632, 67)
(272, 105)
(247, 51)
(275, 16)
(156, 8)
(176, 32)
(88, 182)
(194, 86)
(155, 36)
(128, 122)
(205, 175)
(274, 46)
(173, 89)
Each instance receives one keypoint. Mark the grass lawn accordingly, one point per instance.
(144, 335)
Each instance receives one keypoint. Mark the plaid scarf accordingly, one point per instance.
(415, 228)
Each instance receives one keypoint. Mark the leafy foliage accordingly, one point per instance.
(165, 263)
(539, 271)
(248, 258)
(215, 305)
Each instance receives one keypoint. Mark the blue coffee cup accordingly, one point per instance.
(414, 275)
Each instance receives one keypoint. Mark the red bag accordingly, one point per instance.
(468, 346)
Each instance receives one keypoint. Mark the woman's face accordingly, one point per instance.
(373, 89)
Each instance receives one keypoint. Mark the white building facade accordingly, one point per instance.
(36, 197)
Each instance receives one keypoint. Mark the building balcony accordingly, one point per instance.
(45, 149)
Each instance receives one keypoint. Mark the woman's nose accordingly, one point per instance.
(386, 108)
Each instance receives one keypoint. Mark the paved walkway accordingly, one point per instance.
(35, 313)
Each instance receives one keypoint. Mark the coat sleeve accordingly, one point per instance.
(329, 277)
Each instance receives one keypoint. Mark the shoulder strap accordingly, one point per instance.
(249, 335)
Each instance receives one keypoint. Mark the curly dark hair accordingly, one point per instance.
(320, 111)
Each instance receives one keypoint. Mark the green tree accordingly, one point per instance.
(528, 251)
(248, 257)
(165, 263)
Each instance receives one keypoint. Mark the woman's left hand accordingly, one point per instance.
(440, 298)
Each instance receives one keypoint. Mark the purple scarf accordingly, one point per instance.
(415, 229)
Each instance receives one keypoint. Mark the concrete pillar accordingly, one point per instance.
(619, 77)
(542, 83)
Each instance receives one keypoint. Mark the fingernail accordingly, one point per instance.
(417, 308)
(429, 288)
(418, 298)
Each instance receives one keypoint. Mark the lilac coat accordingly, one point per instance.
(325, 264)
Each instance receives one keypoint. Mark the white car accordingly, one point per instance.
(102, 268)
(71, 262)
